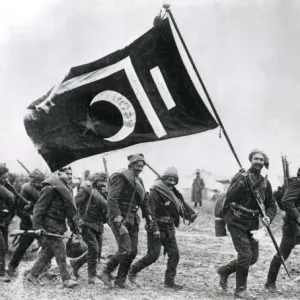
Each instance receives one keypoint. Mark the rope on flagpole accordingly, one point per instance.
(168, 10)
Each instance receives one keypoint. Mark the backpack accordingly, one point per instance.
(220, 211)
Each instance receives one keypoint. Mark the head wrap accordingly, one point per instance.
(3, 169)
(36, 174)
(256, 151)
(136, 157)
(98, 177)
(197, 171)
(170, 172)
(64, 169)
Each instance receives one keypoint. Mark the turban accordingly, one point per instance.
(256, 151)
(98, 177)
(170, 172)
(3, 169)
(36, 174)
(136, 157)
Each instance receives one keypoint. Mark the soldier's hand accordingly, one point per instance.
(40, 232)
(150, 221)
(156, 234)
(118, 221)
(266, 221)
(80, 223)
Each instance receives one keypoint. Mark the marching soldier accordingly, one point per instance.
(126, 195)
(31, 192)
(166, 208)
(290, 230)
(92, 208)
(9, 204)
(242, 217)
(55, 204)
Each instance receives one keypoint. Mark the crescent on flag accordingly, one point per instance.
(126, 109)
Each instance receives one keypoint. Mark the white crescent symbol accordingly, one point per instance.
(126, 109)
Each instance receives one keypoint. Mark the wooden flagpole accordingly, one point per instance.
(168, 10)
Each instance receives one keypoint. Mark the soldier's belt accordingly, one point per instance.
(242, 212)
(166, 220)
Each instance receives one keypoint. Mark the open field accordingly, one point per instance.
(201, 254)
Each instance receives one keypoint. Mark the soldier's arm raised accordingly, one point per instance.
(41, 207)
(289, 198)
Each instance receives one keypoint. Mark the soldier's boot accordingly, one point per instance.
(271, 286)
(244, 294)
(120, 284)
(132, 277)
(173, 285)
(75, 268)
(106, 278)
(32, 279)
(4, 278)
(223, 278)
(11, 271)
(70, 283)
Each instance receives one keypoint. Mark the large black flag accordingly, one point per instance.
(138, 94)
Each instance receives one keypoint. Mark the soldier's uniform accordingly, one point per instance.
(125, 197)
(242, 217)
(55, 205)
(92, 208)
(31, 194)
(290, 230)
(7, 211)
(166, 209)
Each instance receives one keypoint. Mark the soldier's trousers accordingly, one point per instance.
(51, 247)
(24, 243)
(247, 249)
(127, 251)
(168, 240)
(287, 244)
(3, 248)
(93, 240)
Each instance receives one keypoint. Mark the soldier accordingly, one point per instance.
(166, 208)
(7, 209)
(31, 192)
(242, 217)
(197, 188)
(9, 204)
(92, 208)
(290, 229)
(125, 196)
(55, 204)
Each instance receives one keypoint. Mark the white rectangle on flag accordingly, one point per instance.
(162, 87)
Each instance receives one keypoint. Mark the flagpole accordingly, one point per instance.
(106, 171)
(168, 10)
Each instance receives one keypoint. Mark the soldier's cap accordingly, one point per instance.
(101, 176)
(36, 174)
(197, 171)
(3, 169)
(64, 169)
(256, 151)
(136, 157)
(170, 172)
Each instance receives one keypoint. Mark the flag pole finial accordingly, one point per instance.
(166, 6)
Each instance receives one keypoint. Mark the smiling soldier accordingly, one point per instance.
(242, 217)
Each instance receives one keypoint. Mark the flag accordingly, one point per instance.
(141, 93)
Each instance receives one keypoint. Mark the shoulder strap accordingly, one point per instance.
(88, 205)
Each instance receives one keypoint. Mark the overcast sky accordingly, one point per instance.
(247, 53)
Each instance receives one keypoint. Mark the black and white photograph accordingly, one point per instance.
(149, 149)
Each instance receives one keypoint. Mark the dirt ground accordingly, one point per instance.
(201, 254)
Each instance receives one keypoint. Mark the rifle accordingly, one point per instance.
(257, 196)
(286, 171)
(23, 166)
(17, 234)
(106, 172)
(17, 195)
